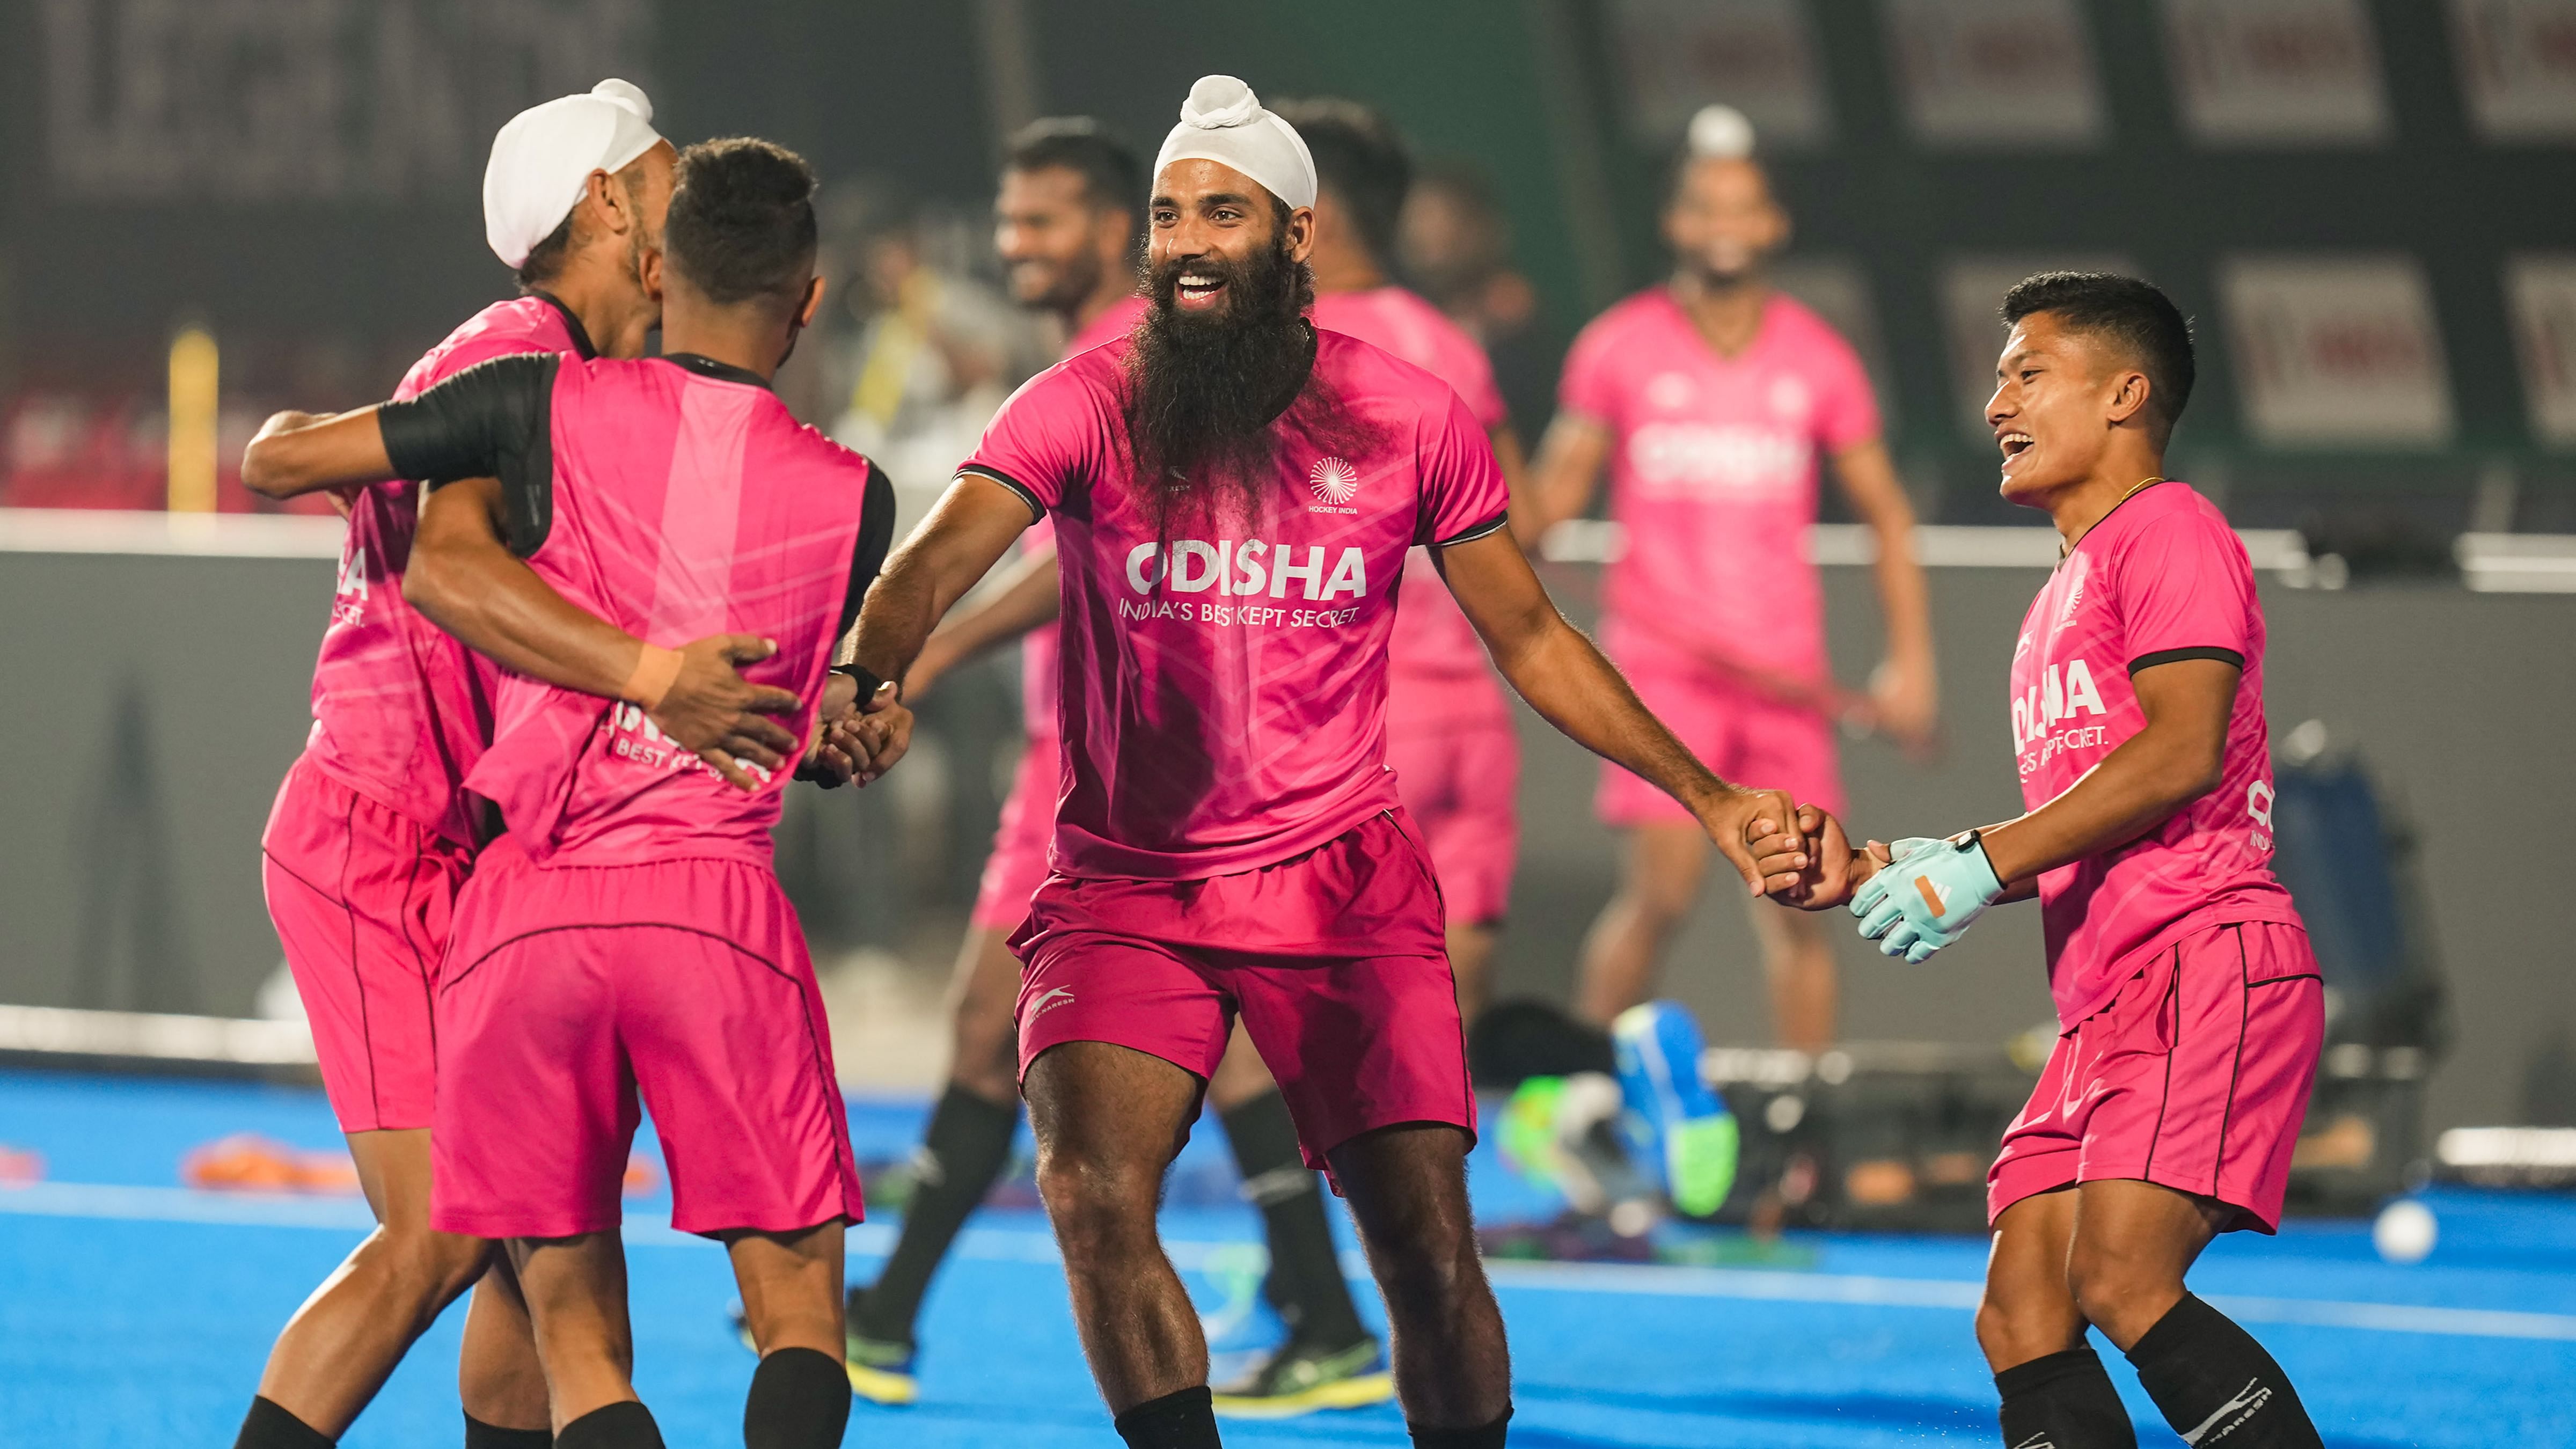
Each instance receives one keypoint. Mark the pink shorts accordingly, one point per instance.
(1460, 784)
(2195, 1076)
(1334, 958)
(1745, 736)
(1018, 864)
(361, 897)
(569, 989)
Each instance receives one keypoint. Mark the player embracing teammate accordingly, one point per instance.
(627, 939)
(2189, 1003)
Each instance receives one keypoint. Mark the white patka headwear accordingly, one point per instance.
(544, 157)
(1223, 121)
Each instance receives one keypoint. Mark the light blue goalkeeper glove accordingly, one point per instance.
(1927, 897)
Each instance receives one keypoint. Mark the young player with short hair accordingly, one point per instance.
(2189, 1002)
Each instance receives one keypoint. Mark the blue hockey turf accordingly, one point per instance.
(136, 1311)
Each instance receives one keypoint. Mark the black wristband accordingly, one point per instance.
(867, 681)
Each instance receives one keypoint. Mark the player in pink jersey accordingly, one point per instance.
(1066, 231)
(1710, 399)
(372, 831)
(2189, 1002)
(628, 934)
(1229, 839)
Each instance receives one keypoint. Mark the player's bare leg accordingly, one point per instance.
(1407, 1187)
(576, 1294)
(498, 1377)
(791, 1302)
(1659, 883)
(345, 1341)
(1109, 1121)
(1798, 964)
(2112, 1255)
(1471, 962)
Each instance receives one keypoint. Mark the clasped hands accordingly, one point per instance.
(1913, 897)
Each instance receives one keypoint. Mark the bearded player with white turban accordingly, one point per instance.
(372, 833)
(1230, 840)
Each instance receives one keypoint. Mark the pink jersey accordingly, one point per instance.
(1713, 472)
(1432, 638)
(398, 714)
(675, 498)
(2161, 578)
(1038, 702)
(1231, 700)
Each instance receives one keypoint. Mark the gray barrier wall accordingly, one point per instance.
(153, 702)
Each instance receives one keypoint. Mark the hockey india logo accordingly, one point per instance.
(1334, 480)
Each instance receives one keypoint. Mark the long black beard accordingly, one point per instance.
(1203, 392)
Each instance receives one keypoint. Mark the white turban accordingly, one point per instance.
(1720, 133)
(1223, 121)
(543, 158)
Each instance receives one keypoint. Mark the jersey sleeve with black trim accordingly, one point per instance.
(494, 419)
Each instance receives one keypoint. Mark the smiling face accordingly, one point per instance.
(2060, 398)
(1211, 225)
(1722, 222)
(1054, 240)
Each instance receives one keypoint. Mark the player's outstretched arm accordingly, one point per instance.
(298, 453)
(1025, 598)
(968, 530)
(466, 580)
(1574, 688)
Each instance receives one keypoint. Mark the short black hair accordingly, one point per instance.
(1361, 160)
(1113, 179)
(742, 219)
(2141, 321)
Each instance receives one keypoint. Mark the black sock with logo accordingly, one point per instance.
(1184, 1419)
(961, 1157)
(2064, 1401)
(269, 1425)
(1305, 1283)
(2216, 1385)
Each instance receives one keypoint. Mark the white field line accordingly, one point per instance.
(186, 1205)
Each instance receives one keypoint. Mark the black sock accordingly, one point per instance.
(479, 1435)
(1182, 1420)
(1306, 1283)
(800, 1399)
(1483, 1436)
(2064, 1401)
(2216, 1385)
(961, 1157)
(623, 1425)
(269, 1426)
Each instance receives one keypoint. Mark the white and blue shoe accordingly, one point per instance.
(1680, 1122)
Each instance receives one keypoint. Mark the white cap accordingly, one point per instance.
(1720, 133)
(543, 158)
(1223, 121)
